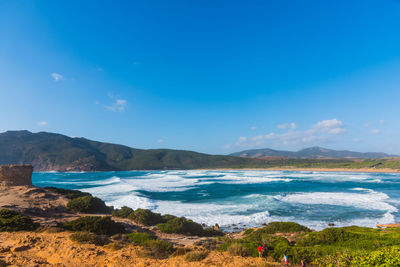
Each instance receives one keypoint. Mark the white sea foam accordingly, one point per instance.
(253, 209)
(371, 201)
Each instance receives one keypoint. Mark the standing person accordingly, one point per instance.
(303, 264)
(265, 250)
(285, 258)
(260, 249)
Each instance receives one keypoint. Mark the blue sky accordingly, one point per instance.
(209, 76)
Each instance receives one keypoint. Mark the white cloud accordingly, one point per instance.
(290, 125)
(375, 131)
(160, 141)
(118, 105)
(382, 121)
(321, 132)
(253, 128)
(42, 123)
(57, 77)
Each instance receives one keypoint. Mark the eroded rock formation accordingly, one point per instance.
(11, 175)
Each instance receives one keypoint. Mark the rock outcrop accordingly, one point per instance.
(11, 175)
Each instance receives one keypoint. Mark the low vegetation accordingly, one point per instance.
(166, 223)
(152, 246)
(140, 239)
(195, 256)
(89, 238)
(346, 246)
(237, 249)
(68, 193)
(146, 217)
(123, 212)
(88, 204)
(95, 224)
(11, 221)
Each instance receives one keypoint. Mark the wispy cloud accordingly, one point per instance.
(57, 77)
(375, 131)
(253, 128)
(119, 105)
(160, 141)
(320, 132)
(42, 123)
(290, 125)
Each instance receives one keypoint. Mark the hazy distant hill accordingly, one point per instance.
(50, 151)
(310, 153)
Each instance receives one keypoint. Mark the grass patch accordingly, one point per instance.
(11, 221)
(196, 256)
(140, 239)
(95, 224)
(88, 204)
(88, 238)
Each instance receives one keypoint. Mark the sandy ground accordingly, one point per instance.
(56, 249)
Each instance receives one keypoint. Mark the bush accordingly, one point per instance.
(95, 224)
(332, 235)
(88, 204)
(123, 212)
(168, 217)
(11, 221)
(157, 249)
(284, 227)
(146, 217)
(181, 226)
(237, 249)
(196, 256)
(88, 238)
(209, 231)
(140, 238)
(68, 193)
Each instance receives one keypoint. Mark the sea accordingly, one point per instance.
(238, 199)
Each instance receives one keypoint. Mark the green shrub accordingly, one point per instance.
(88, 238)
(332, 235)
(88, 204)
(157, 249)
(181, 226)
(146, 217)
(209, 231)
(11, 221)
(140, 239)
(68, 193)
(123, 212)
(284, 227)
(196, 256)
(168, 217)
(95, 224)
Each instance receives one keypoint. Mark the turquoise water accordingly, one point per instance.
(246, 198)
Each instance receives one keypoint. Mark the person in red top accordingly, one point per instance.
(260, 250)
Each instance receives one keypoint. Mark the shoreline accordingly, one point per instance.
(369, 170)
(287, 168)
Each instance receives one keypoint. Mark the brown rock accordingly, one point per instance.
(12, 175)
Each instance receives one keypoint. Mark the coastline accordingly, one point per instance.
(288, 168)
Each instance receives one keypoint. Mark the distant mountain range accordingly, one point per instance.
(56, 152)
(310, 153)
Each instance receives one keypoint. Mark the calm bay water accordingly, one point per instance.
(246, 198)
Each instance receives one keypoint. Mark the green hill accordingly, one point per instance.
(50, 151)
